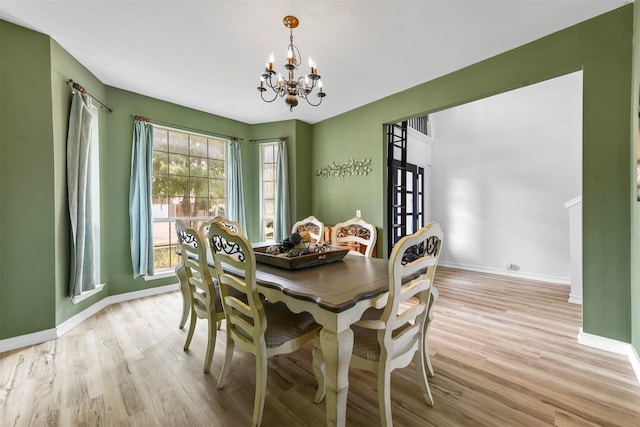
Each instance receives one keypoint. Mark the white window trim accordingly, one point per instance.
(262, 219)
(83, 296)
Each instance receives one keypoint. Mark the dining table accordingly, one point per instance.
(336, 294)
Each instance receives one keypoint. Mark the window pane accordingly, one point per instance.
(269, 154)
(199, 166)
(270, 190)
(217, 188)
(183, 206)
(178, 164)
(216, 149)
(201, 206)
(160, 139)
(216, 169)
(161, 233)
(178, 142)
(160, 162)
(199, 187)
(268, 229)
(217, 207)
(269, 172)
(160, 209)
(198, 146)
(269, 207)
(178, 186)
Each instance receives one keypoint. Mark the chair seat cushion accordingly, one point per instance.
(365, 341)
(283, 325)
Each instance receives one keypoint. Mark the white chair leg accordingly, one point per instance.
(427, 326)
(186, 296)
(211, 344)
(192, 328)
(261, 387)
(421, 371)
(226, 365)
(384, 397)
(319, 370)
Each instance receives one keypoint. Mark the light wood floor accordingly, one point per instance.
(504, 350)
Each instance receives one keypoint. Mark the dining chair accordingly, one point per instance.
(204, 298)
(390, 337)
(312, 225)
(254, 326)
(355, 230)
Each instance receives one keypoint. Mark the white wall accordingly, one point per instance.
(419, 148)
(503, 167)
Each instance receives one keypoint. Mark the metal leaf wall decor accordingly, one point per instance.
(350, 168)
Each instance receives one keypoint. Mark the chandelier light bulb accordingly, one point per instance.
(271, 59)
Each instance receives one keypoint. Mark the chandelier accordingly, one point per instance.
(289, 87)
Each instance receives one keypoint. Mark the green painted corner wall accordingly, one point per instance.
(27, 245)
(635, 219)
(63, 68)
(117, 155)
(602, 48)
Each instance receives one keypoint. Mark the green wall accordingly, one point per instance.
(27, 223)
(635, 219)
(602, 48)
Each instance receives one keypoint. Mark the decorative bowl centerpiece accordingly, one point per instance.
(297, 251)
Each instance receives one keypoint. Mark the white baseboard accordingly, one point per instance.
(509, 273)
(27, 340)
(52, 334)
(613, 346)
(575, 299)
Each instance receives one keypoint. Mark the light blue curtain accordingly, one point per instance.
(235, 195)
(282, 227)
(140, 199)
(79, 196)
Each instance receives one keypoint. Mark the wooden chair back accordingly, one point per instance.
(312, 225)
(355, 231)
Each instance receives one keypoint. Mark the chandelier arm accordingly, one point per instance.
(275, 96)
(311, 103)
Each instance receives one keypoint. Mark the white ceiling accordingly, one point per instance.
(208, 55)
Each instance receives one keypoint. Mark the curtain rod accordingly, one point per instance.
(81, 89)
(279, 138)
(180, 127)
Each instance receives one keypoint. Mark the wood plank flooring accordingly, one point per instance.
(504, 350)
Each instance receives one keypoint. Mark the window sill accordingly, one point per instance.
(161, 275)
(83, 296)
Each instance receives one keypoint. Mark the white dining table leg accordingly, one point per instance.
(336, 351)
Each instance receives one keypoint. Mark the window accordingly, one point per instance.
(268, 157)
(188, 183)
